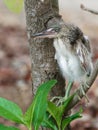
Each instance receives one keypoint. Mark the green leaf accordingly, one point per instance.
(57, 111)
(66, 103)
(67, 120)
(49, 122)
(10, 111)
(14, 5)
(2, 127)
(37, 110)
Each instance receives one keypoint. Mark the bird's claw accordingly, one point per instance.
(55, 98)
(59, 100)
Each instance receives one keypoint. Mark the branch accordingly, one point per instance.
(89, 83)
(88, 9)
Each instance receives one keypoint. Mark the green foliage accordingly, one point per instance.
(68, 119)
(2, 127)
(36, 111)
(55, 118)
(49, 122)
(15, 6)
(41, 112)
(57, 112)
(10, 111)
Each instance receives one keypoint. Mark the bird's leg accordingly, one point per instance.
(83, 92)
(67, 93)
(70, 84)
(57, 100)
(83, 85)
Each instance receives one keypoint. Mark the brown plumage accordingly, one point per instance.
(73, 52)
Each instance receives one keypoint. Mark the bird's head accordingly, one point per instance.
(52, 32)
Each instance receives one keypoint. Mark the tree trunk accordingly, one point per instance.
(39, 14)
(44, 66)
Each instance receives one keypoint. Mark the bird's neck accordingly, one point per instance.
(61, 45)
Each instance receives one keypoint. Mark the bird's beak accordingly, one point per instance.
(49, 33)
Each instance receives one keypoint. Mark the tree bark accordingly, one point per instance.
(44, 67)
(40, 14)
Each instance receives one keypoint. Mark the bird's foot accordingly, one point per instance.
(58, 100)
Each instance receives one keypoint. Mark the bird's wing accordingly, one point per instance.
(83, 52)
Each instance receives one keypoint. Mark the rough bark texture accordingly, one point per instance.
(44, 67)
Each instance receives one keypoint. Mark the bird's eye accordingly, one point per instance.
(57, 29)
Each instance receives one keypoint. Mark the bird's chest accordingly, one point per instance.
(67, 60)
(62, 50)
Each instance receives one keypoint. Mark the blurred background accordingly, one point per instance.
(15, 68)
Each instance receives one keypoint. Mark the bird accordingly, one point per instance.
(72, 51)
